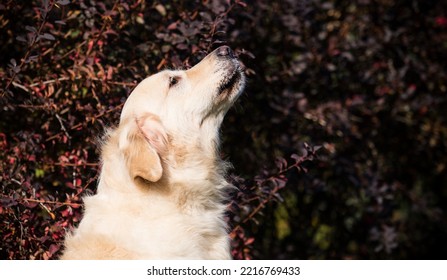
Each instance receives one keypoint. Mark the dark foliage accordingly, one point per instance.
(365, 80)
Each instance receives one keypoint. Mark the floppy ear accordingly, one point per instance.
(141, 143)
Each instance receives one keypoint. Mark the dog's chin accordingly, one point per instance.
(231, 86)
(226, 94)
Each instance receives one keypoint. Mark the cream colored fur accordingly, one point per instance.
(161, 189)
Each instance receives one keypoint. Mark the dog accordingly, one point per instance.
(162, 186)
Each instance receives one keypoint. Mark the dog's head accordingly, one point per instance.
(178, 109)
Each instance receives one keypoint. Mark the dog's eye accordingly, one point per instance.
(173, 81)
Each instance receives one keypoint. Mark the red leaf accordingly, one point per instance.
(441, 21)
(249, 241)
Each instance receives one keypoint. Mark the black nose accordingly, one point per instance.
(225, 51)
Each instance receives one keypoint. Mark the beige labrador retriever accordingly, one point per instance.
(161, 189)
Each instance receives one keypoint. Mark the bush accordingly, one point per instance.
(365, 80)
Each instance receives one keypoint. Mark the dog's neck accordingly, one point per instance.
(196, 147)
(199, 161)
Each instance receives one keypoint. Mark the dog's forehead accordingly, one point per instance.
(151, 83)
(165, 74)
(156, 77)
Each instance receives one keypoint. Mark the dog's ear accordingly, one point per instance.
(142, 144)
(154, 132)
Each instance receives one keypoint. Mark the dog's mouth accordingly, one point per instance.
(231, 85)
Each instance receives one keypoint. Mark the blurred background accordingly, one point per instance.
(338, 143)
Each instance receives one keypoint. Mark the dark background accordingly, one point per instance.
(338, 143)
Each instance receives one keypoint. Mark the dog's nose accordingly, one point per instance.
(225, 51)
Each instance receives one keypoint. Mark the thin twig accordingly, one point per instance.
(106, 22)
(62, 126)
(53, 81)
(52, 202)
(80, 124)
(20, 86)
(261, 205)
(216, 22)
(28, 51)
(90, 164)
(275, 189)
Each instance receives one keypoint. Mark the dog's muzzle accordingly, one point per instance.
(233, 78)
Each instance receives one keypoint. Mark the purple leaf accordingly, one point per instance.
(31, 29)
(48, 36)
(63, 2)
(21, 39)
